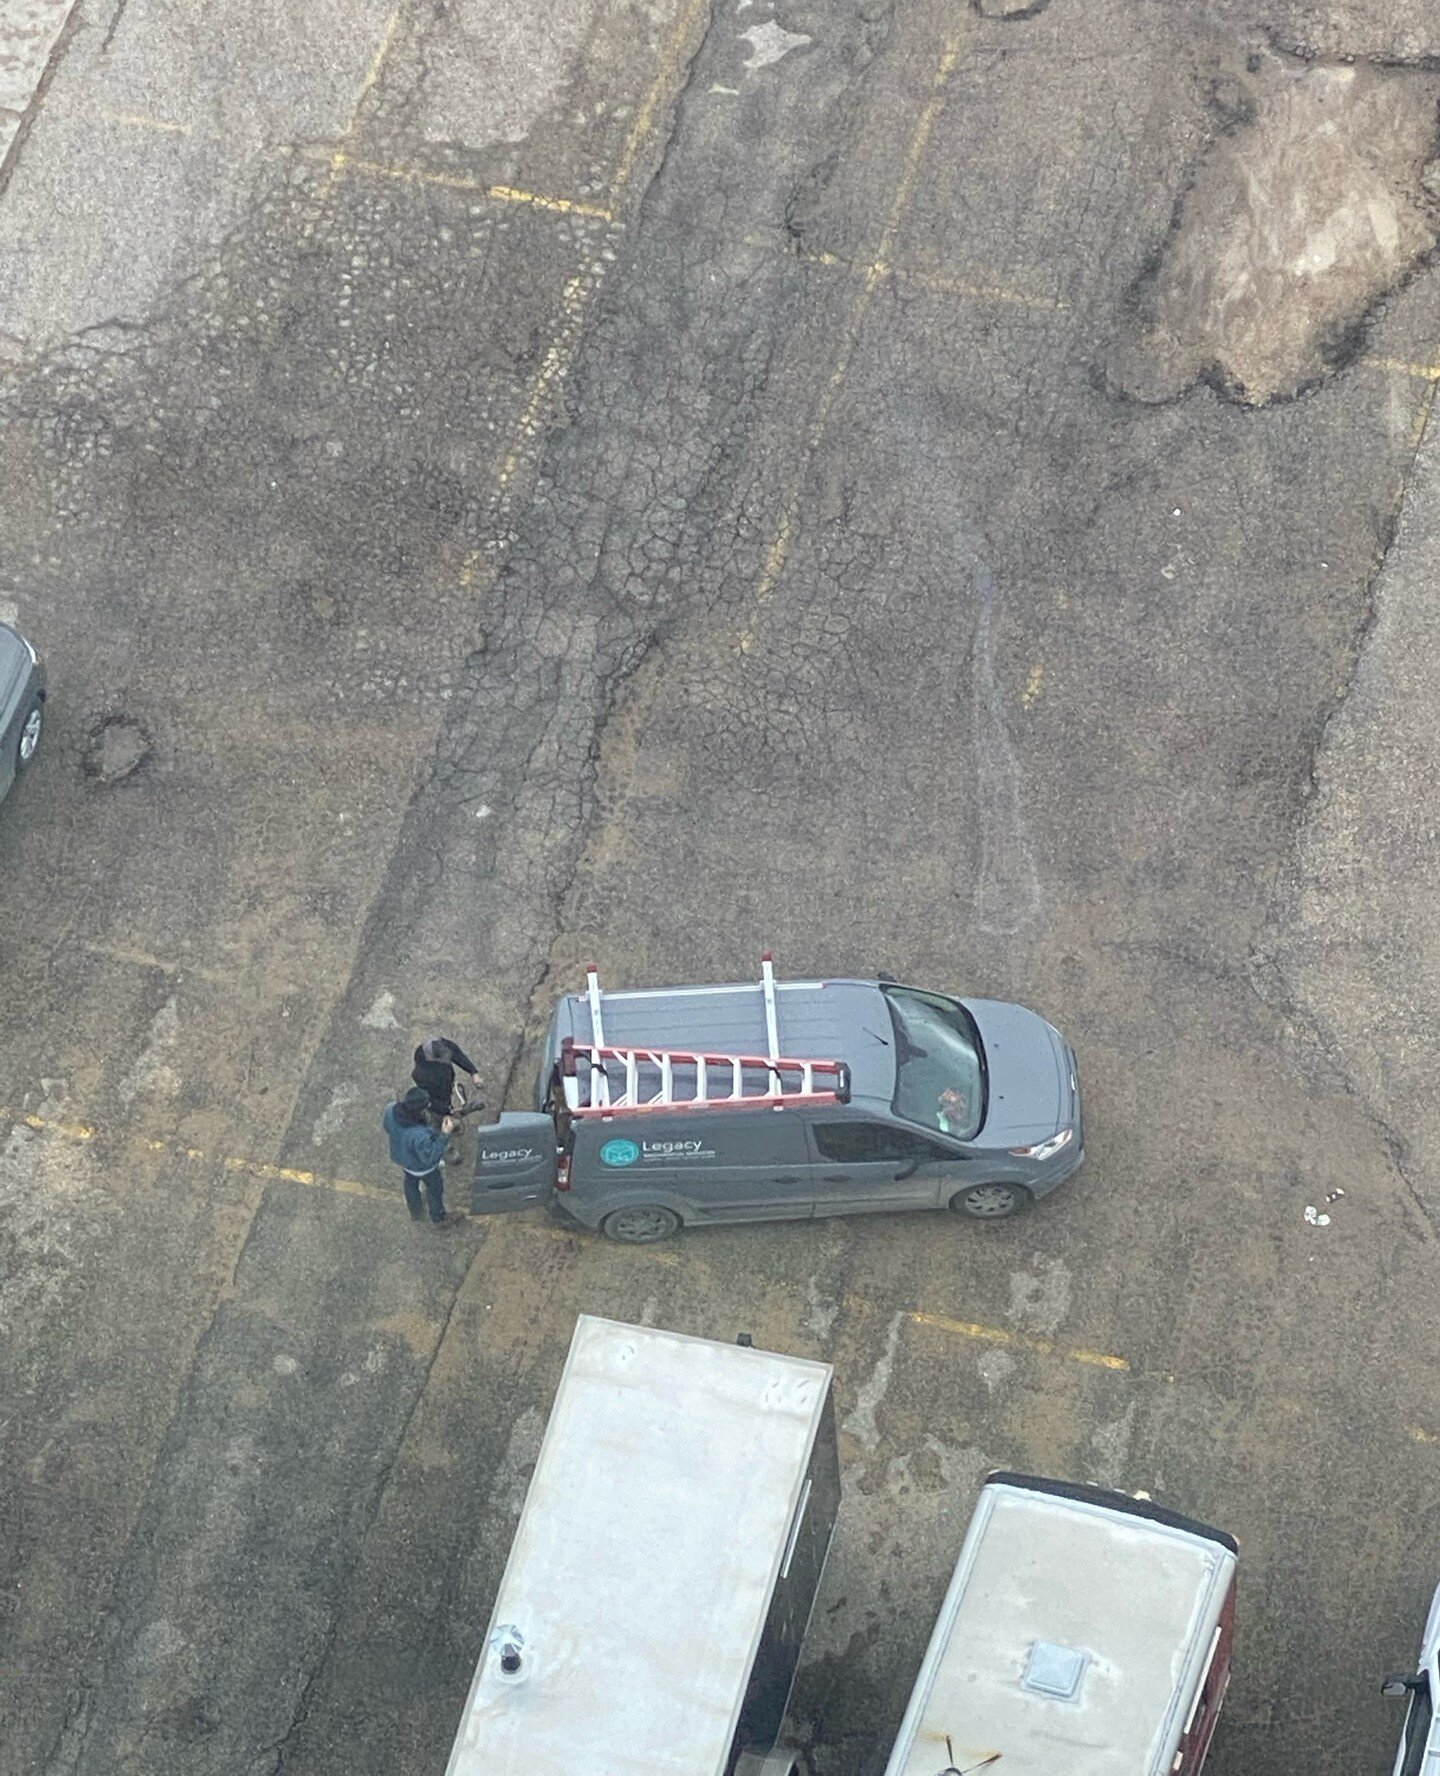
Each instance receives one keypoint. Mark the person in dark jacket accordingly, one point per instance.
(419, 1150)
(435, 1064)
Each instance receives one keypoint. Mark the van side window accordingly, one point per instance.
(873, 1141)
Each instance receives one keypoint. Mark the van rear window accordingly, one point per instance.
(940, 1078)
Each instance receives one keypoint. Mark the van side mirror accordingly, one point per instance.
(1399, 1685)
(908, 1171)
(887, 979)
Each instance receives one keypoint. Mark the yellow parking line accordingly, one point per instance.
(670, 58)
(777, 554)
(553, 368)
(268, 1172)
(514, 194)
(1401, 367)
(72, 1131)
(250, 1168)
(340, 160)
(1042, 1347)
(142, 120)
(377, 62)
(580, 291)
(919, 142)
(562, 206)
(530, 1227)
(943, 283)
(338, 154)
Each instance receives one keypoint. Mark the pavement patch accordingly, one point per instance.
(1313, 202)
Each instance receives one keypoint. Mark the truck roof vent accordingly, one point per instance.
(1054, 1670)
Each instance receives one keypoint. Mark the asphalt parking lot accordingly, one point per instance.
(646, 483)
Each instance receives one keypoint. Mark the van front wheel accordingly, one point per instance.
(990, 1202)
(641, 1225)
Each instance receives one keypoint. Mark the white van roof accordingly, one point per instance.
(660, 1512)
(1074, 1637)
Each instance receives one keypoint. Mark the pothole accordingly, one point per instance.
(117, 747)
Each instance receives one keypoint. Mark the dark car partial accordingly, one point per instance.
(22, 704)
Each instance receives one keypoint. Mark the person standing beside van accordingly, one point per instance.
(419, 1151)
(435, 1062)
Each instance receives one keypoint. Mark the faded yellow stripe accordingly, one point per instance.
(563, 206)
(580, 291)
(514, 194)
(1402, 367)
(143, 120)
(250, 1168)
(941, 283)
(670, 59)
(377, 62)
(777, 554)
(919, 142)
(338, 156)
(72, 1131)
(1043, 1347)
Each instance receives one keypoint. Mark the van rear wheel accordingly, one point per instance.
(29, 734)
(640, 1225)
(990, 1202)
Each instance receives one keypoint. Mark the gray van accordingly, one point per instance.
(781, 1100)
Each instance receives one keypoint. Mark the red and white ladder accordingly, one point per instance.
(600, 1080)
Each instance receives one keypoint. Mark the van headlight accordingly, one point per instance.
(1046, 1149)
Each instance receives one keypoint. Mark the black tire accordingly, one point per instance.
(28, 738)
(991, 1202)
(642, 1224)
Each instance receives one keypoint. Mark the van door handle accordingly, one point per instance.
(790, 1180)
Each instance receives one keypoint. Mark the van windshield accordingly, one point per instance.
(939, 1063)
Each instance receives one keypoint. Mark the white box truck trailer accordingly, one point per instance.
(1085, 1633)
(664, 1567)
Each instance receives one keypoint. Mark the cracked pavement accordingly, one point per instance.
(649, 483)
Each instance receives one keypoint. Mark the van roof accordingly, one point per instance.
(1059, 1589)
(643, 1564)
(817, 1020)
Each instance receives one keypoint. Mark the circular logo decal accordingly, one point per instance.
(619, 1153)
